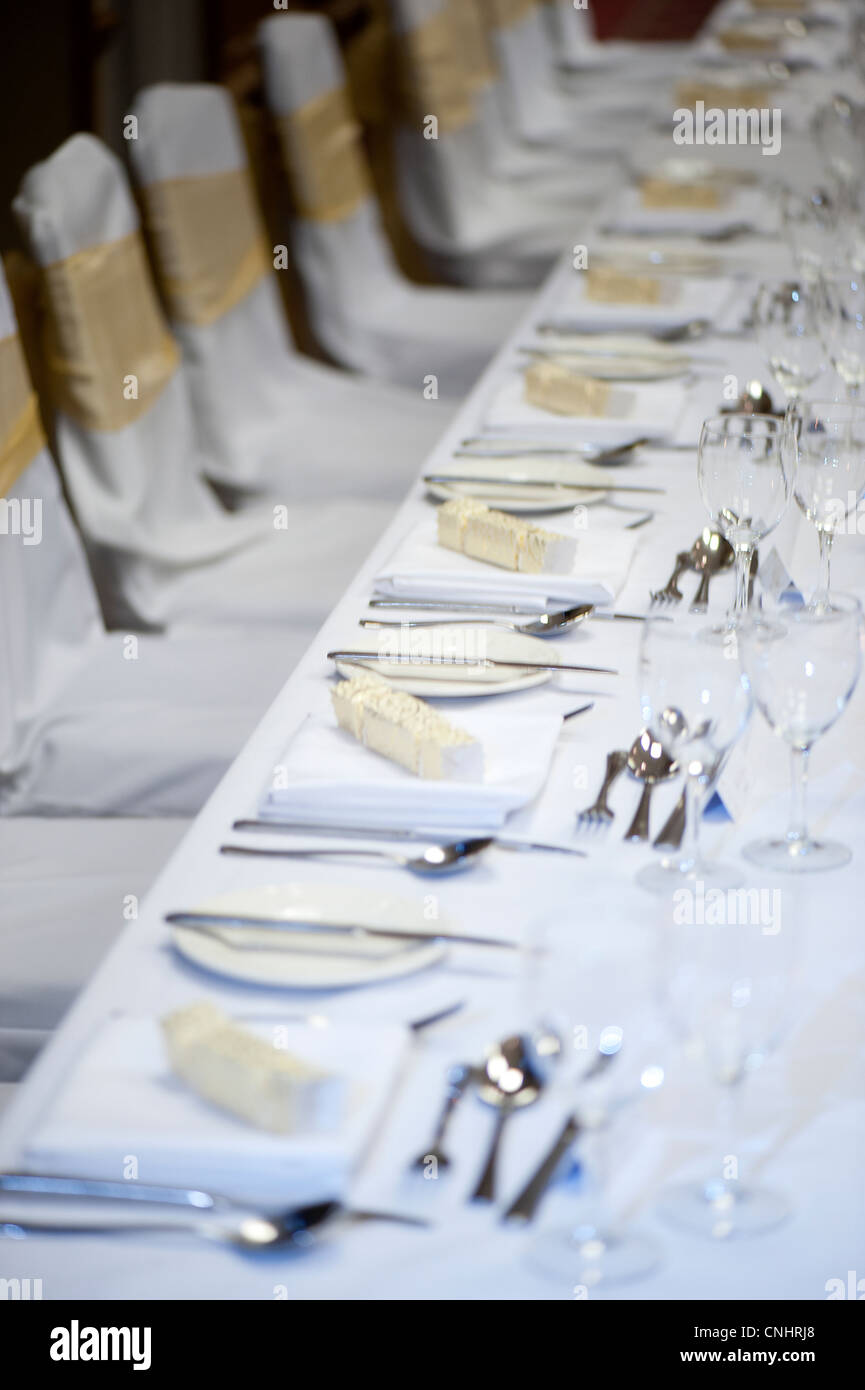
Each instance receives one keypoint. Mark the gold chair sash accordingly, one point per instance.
(209, 242)
(21, 435)
(503, 13)
(108, 351)
(431, 78)
(479, 64)
(324, 158)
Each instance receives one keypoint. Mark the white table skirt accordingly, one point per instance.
(804, 1110)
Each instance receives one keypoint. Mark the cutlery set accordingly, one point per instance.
(709, 556)
(649, 763)
(511, 1079)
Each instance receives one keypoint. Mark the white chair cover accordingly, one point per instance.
(164, 551)
(480, 230)
(363, 309)
(265, 407)
(89, 723)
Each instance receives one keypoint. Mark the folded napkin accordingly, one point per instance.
(328, 778)
(684, 297)
(121, 1098)
(606, 285)
(632, 412)
(421, 568)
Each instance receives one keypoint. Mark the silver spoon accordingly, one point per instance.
(433, 859)
(710, 554)
(509, 1082)
(650, 764)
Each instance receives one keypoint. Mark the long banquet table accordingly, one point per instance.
(804, 1114)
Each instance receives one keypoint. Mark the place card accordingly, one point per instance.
(677, 193)
(551, 386)
(607, 286)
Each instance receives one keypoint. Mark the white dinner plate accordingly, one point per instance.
(316, 959)
(520, 498)
(421, 676)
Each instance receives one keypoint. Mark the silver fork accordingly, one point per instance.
(599, 816)
(671, 593)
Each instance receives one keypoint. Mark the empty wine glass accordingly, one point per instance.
(745, 469)
(726, 964)
(842, 321)
(578, 984)
(802, 664)
(810, 224)
(829, 437)
(695, 698)
(786, 324)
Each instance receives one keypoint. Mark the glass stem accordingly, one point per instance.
(689, 853)
(743, 578)
(797, 833)
(825, 537)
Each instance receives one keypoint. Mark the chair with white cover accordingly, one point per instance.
(537, 105)
(93, 723)
(363, 310)
(164, 551)
(273, 417)
(478, 230)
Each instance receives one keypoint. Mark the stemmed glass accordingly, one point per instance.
(802, 664)
(579, 986)
(810, 224)
(745, 469)
(829, 438)
(786, 323)
(842, 321)
(726, 967)
(695, 698)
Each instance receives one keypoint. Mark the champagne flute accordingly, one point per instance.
(786, 324)
(696, 699)
(745, 469)
(802, 664)
(829, 437)
(726, 963)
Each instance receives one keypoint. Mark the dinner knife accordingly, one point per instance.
(599, 486)
(412, 658)
(287, 827)
(197, 920)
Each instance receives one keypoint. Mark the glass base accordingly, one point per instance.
(669, 874)
(589, 1256)
(797, 856)
(723, 1211)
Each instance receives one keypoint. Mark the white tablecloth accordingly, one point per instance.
(803, 1113)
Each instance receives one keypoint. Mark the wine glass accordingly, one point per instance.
(829, 437)
(842, 320)
(580, 986)
(810, 223)
(802, 664)
(745, 469)
(726, 964)
(786, 325)
(696, 699)
(838, 129)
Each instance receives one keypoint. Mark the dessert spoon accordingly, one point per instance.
(432, 860)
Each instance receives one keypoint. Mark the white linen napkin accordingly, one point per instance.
(122, 1099)
(689, 298)
(633, 411)
(421, 568)
(328, 778)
